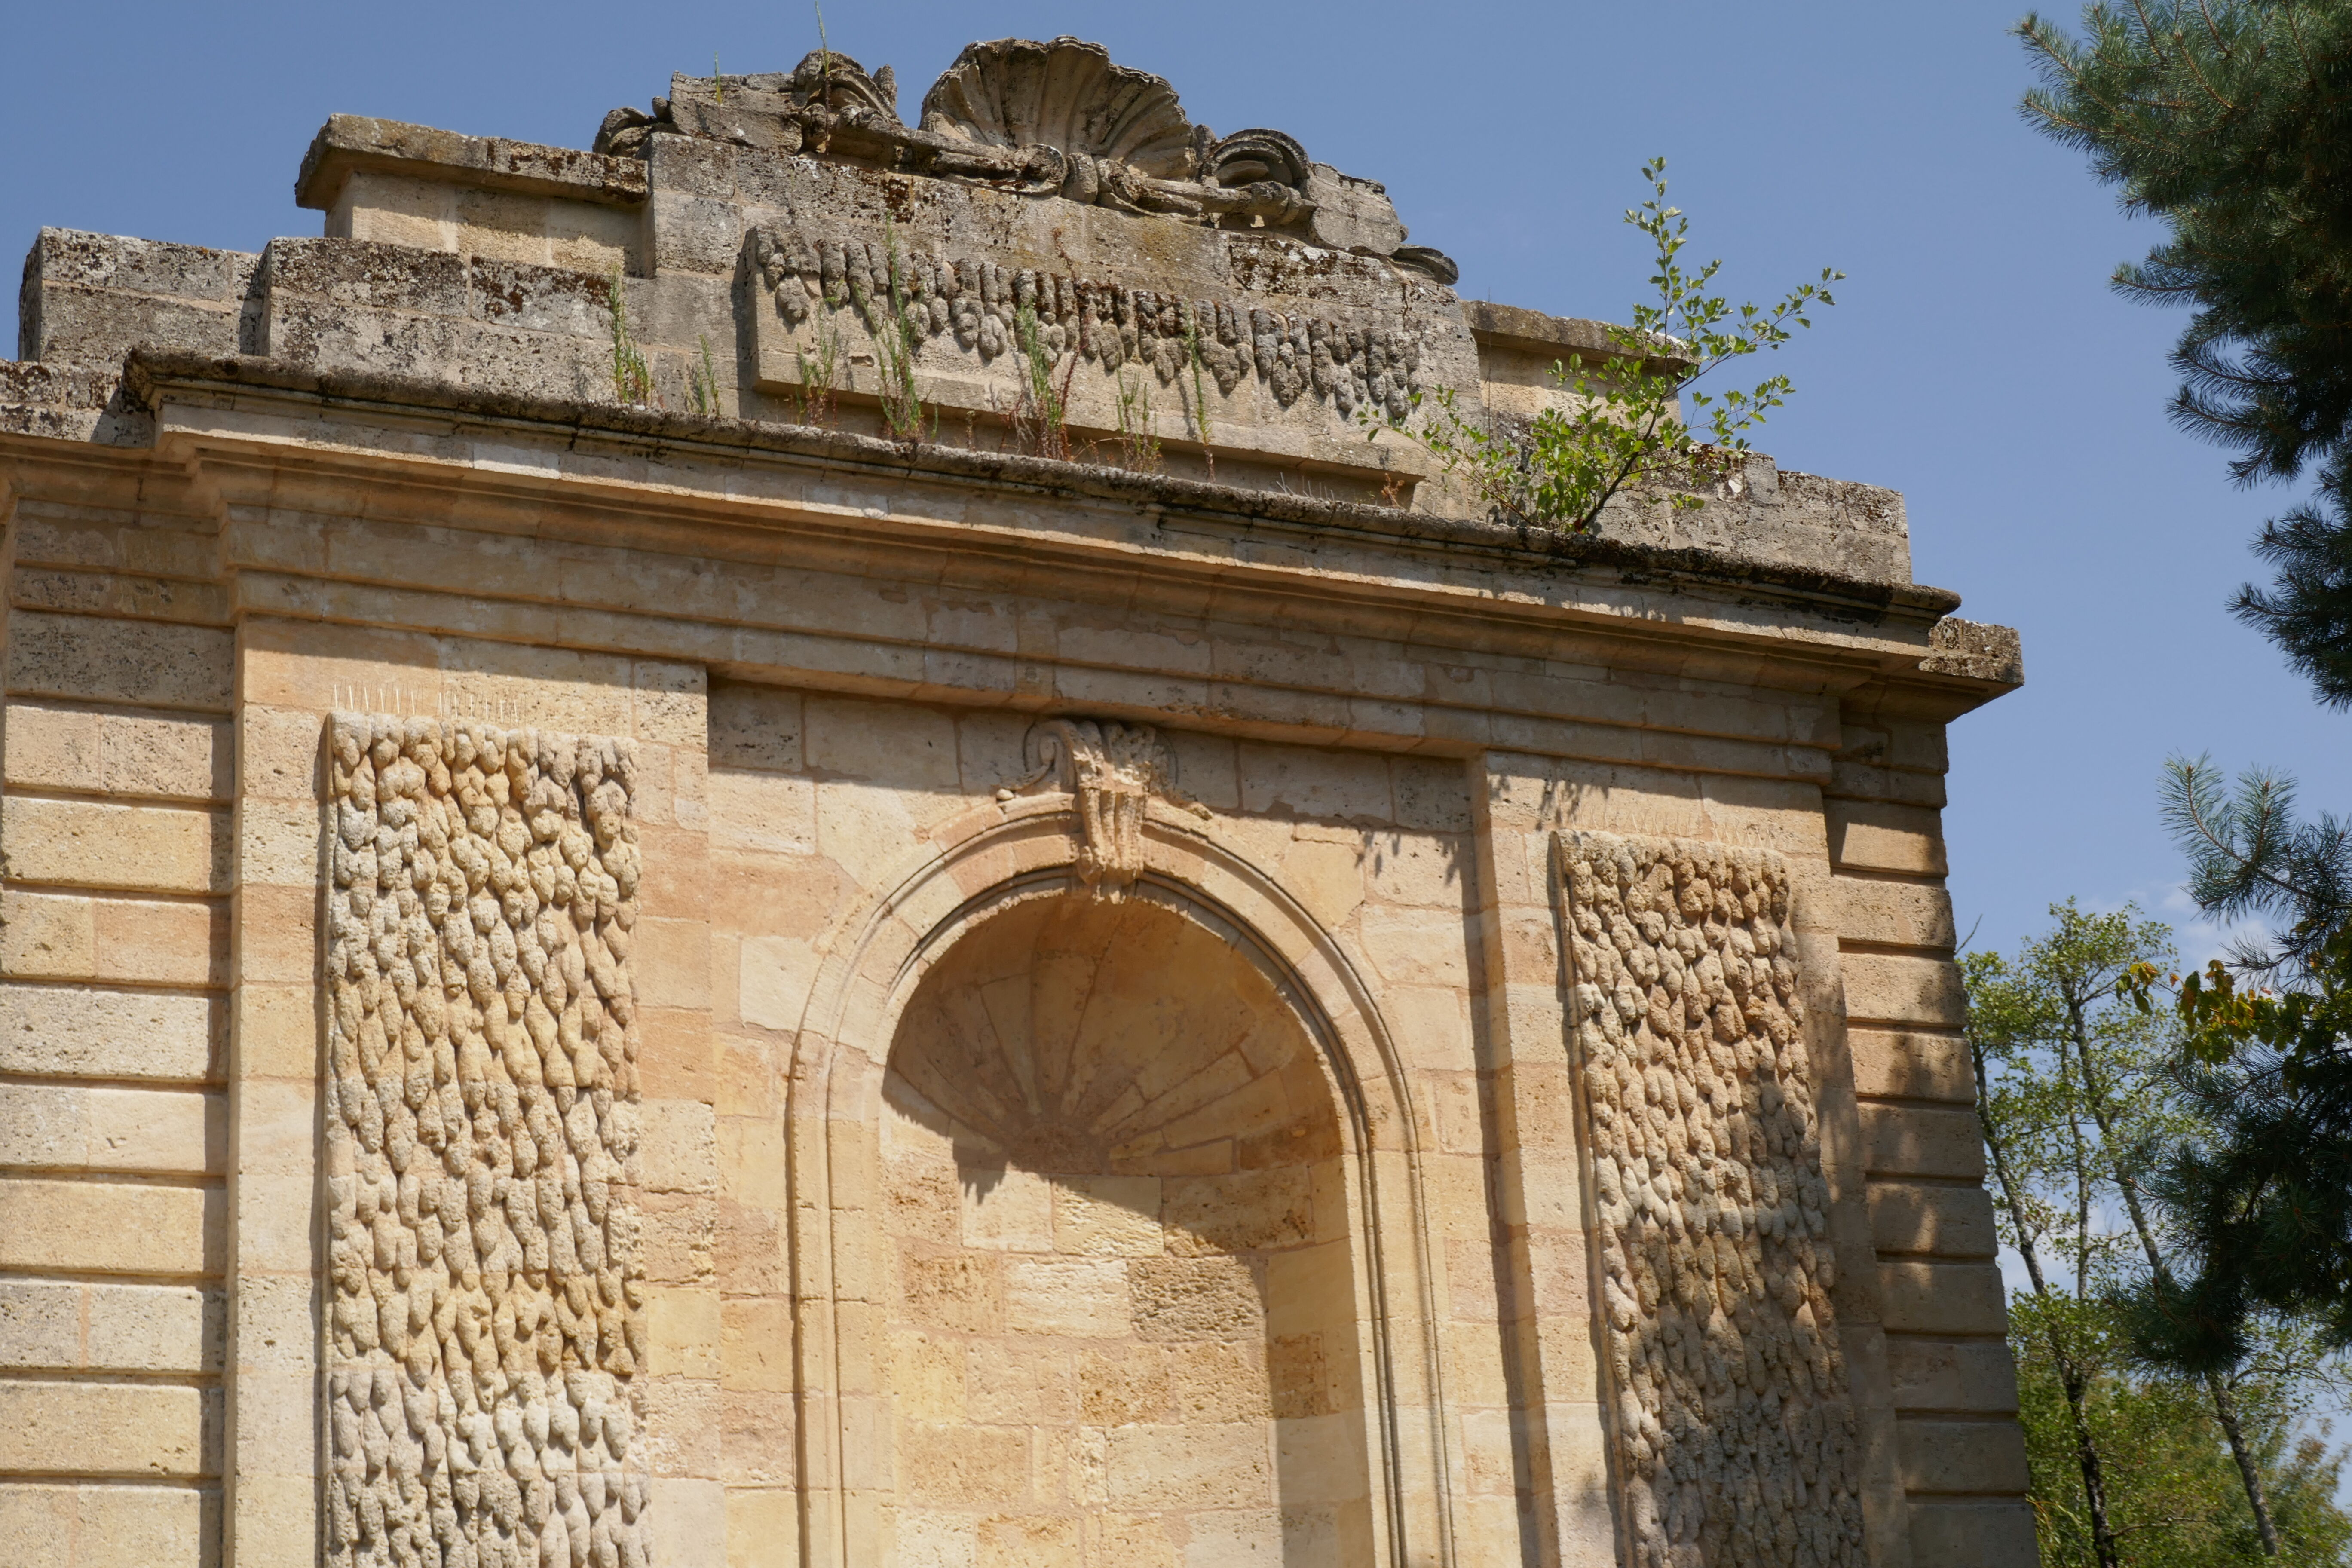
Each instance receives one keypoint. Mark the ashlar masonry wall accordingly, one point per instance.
(117, 828)
(778, 822)
(583, 983)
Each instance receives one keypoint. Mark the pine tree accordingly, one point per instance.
(2261, 1188)
(2232, 121)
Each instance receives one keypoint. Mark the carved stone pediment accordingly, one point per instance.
(1052, 120)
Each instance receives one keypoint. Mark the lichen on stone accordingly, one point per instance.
(1734, 1435)
(484, 1282)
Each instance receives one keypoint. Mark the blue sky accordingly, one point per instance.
(1977, 362)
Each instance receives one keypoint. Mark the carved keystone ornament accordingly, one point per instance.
(1112, 769)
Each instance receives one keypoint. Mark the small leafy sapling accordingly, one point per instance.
(1625, 431)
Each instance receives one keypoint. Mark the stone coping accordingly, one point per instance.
(1522, 331)
(149, 373)
(351, 142)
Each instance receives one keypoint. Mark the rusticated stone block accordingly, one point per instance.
(53, 1525)
(1910, 914)
(75, 1127)
(1967, 1456)
(149, 663)
(69, 1031)
(1899, 989)
(1710, 1205)
(1951, 1374)
(52, 1428)
(1926, 1298)
(1884, 835)
(1922, 1141)
(69, 1326)
(1946, 1221)
(1968, 1535)
(485, 1318)
(108, 1228)
(96, 844)
(170, 758)
(1911, 1065)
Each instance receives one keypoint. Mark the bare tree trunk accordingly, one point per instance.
(2070, 1375)
(2225, 1407)
(2225, 1410)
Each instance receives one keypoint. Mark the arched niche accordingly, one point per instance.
(1120, 1308)
(854, 1481)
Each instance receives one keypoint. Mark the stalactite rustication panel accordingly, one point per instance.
(481, 1105)
(1734, 1435)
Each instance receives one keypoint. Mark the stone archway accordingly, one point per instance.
(1120, 1304)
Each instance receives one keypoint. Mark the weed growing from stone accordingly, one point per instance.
(702, 383)
(1139, 449)
(1200, 390)
(817, 399)
(1041, 423)
(897, 340)
(632, 378)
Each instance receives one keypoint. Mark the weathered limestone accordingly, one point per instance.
(1120, 1235)
(482, 1107)
(1734, 1434)
(617, 968)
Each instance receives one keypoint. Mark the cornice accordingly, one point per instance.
(1549, 598)
(151, 377)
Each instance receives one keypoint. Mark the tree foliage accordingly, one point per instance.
(2176, 1498)
(1623, 429)
(2261, 1183)
(2231, 121)
(2135, 1462)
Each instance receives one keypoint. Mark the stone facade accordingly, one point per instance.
(904, 906)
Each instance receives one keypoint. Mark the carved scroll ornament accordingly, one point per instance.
(1111, 770)
(1734, 1434)
(485, 1289)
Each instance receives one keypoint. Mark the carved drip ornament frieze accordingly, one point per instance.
(1056, 118)
(1111, 770)
(976, 305)
(485, 1288)
(1734, 1435)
